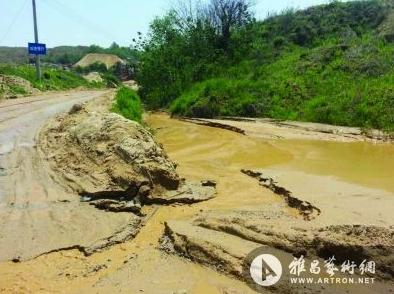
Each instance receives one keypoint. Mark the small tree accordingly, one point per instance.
(225, 15)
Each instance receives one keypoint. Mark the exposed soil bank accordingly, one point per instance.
(36, 214)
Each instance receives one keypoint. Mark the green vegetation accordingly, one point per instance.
(128, 104)
(52, 79)
(17, 90)
(329, 63)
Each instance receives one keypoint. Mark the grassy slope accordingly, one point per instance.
(128, 104)
(52, 79)
(340, 78)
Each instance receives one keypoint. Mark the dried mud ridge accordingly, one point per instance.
(115, 165)
(124, 234)
(214, 125)
(223, 239)
(306, 209)
(262, 127)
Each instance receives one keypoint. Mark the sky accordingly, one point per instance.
(86, 22)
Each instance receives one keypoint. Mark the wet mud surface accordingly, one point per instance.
(200, 246)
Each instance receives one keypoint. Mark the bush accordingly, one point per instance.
(110, 80)
(128, 104)
(323, 64)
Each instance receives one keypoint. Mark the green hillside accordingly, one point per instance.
(331, 63)
(64, 55)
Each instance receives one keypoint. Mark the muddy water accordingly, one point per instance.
(215, 152)
(362, 163)
(202, 153)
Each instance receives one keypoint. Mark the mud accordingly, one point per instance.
(114, 163)
(243, 213)
(306, 209)
(214, 124)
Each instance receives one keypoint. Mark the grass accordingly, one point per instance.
(128, 104)
(52, 79)
(350, 86)
(17, 90)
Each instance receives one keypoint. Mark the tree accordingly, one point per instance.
(114, 45)
(226, 15)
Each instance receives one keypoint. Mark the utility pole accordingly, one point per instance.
(38, 66)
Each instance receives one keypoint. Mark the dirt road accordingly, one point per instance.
(36, 215)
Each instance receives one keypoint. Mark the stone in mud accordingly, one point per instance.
(209, 183)
(116, 205)
(186, 193)
(75, 108)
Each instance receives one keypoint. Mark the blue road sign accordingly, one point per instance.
(37, 49)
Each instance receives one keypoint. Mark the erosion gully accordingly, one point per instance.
(137, 266)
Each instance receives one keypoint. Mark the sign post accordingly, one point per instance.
(38, 66)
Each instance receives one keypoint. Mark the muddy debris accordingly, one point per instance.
(306, 209)
(223, 239)
(114, 163)
(214, 125)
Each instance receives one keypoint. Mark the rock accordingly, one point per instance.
(75, 108)
(186, 193)
(209, 183)
(116, 205)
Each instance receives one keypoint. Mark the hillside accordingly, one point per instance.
(331, 63)
(65, 55)
(15, 55)
(109, 60)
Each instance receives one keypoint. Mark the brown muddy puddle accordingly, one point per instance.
(206, 151)
(202, 153)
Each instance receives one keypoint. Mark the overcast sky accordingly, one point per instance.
(85, 22)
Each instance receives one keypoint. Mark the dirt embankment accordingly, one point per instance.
(114, 163)
(275, 129)
(14, 87)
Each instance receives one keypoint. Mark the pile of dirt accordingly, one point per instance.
(14, 87)
(114, 163)
(93, 77)
(131, 84)
(108, 59)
